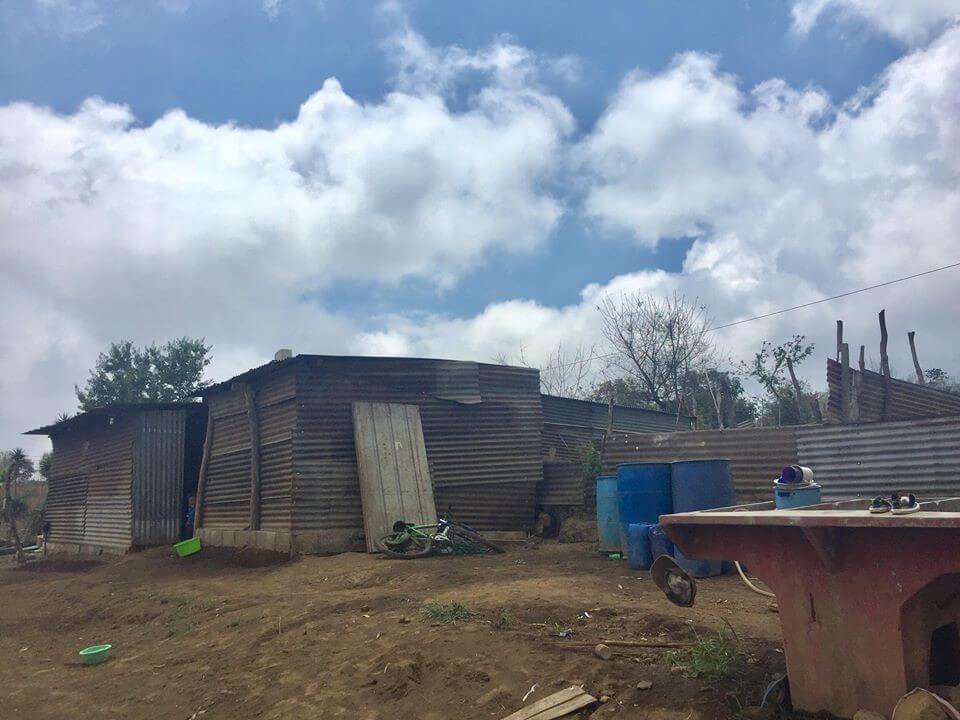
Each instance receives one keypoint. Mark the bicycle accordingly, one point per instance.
(446, 537)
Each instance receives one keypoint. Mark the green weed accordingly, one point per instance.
(445, 612)
(710, 657)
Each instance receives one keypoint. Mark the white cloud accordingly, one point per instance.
(272, 8)
(114, 229)
(910, 21)
(789, 199)
(70, 18)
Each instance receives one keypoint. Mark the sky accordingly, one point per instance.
(463, 180)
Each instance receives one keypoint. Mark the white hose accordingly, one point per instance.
(750, 585)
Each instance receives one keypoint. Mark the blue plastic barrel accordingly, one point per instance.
(638, 546)
(608, 523)
(643, 495)
(660, 544)
(701, 485)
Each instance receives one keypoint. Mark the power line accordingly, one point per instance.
(836, 297)
(778, 312)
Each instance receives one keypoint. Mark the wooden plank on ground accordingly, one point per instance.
(392, 466)
(557, 705)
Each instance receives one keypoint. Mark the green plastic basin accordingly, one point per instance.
(95, 654)
(187, 547)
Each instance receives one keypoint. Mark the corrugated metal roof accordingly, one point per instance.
(756, 455)
(586, 413)
(446, 379)
(91, 416)
(907, 400)
(918, 456)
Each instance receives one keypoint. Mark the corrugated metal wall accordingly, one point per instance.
(562, 485)
(918, 456)
(484, 457)
(158, 463)
(89, 499)
(756, 455)
(907, 400)
(226, 502)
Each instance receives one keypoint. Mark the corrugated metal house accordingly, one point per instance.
(120, 475)
(280, 467)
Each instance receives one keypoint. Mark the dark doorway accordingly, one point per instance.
(945, 655)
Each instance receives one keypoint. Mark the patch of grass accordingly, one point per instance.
(445, 612)
(710, 657)
(504, 621)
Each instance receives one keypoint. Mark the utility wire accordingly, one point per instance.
(777, 312)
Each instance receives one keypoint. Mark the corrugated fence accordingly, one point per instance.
(905, 400)
(919, 456)
(756, 455)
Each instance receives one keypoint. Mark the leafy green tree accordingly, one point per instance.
(14, 467)
(771, 367)
(46, 462)
(156, 373)
(938, 378)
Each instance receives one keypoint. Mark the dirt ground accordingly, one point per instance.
(343, 637)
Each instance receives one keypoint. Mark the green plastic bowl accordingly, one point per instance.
(95, 654)
(188, 547)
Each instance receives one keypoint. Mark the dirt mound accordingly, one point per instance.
(578, 530)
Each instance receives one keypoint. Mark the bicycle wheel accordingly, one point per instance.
(404, 546)
(476, 538)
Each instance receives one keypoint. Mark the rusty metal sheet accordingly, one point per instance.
(907, 400)
(562, 484)
(756, 455)
(864, 460)
(392, 468)
(158, 465)
(65, 508)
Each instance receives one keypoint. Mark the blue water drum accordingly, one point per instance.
(638, 546)
(643, 495)
(659, 542)
(701, 485)
(608, 523)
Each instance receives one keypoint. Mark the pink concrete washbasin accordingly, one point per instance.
(869, 604)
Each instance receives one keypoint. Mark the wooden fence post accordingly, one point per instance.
(916, 363)
(884, 366)
(204, 471)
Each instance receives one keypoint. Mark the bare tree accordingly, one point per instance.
(565, 373)
(659, 343)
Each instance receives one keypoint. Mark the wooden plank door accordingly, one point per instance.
(392, 466)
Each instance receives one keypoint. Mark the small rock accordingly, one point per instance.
(644, 685)
(404, 620)
(364, 608)
(605, 698)
(868, 715)
(758, 713)
(603, 652)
